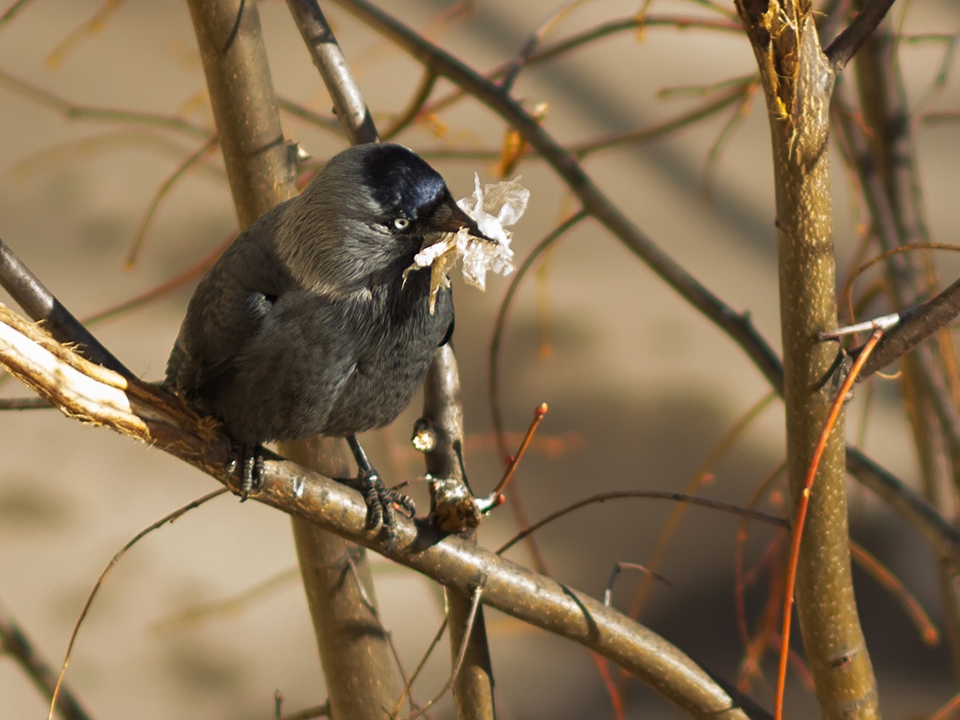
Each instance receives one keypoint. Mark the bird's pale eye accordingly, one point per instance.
(401, 223)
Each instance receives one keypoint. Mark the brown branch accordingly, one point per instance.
(14, 643)
(846, 44)
(443, 410)
(41, 305)
(95, 395)
(888, 175)
(576, 41)
(454, 509)
(798, 86)
(357, 665)
(350, 107)
(72, 111)
(259, 165)
(915, 326)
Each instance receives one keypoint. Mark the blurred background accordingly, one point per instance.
(206, 618)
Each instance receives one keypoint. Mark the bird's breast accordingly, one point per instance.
(396, 341)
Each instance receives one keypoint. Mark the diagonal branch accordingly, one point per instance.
(40, 304)
(352, 111)
(846, 44)
(14, 642)
(93, 394)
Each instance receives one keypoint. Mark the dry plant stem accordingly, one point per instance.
(538, 415)
(72, 111)
(95, 395)
(884, 106)
(803, 506)
(798, 83)
(317, 711)
(165, 187)
(889, 231)
(938, 531)
(176, 514)
(459, 657)
(578, 40)
(15, 644)
(916, 324)
(856, 33)
(443, 410)
(261, 175)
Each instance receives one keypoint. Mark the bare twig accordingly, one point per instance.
(41, 305)
(309, 713)
(915, 326)
(801, 514)
(351, 110)
(179, 512)
(14, 643)
(619, 568)
(500, 324)
(408, 684)
(495, 498)
(420, 97)
(454, 508)
(161, 193)
(466, 635)
(72, 111)
(642, 495)
(593, 200)
(846, 44)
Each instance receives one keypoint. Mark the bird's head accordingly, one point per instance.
(366, 214)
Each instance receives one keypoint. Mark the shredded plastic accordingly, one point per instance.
(493, 207)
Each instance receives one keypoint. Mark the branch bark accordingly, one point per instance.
(888, 176)
(798, 84)
(92, 394)
(451, 500)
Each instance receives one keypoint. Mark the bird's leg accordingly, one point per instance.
(379, 499)
(249, 458)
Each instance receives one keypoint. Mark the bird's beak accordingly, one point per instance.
(448, 217)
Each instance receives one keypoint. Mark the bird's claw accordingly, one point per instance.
(249, 458)
(380, 502)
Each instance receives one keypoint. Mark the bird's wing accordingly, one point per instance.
(228, 308)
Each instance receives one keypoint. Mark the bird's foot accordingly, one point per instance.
(380, 502)
(249, 459)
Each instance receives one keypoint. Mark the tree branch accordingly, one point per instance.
(95, 395)
(352, 111)
(14, 642)
(846, 44)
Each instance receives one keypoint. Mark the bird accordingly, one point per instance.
(309, 325)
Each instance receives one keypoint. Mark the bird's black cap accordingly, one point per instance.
(400, 181)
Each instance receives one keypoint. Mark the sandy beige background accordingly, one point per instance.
(640, 386)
